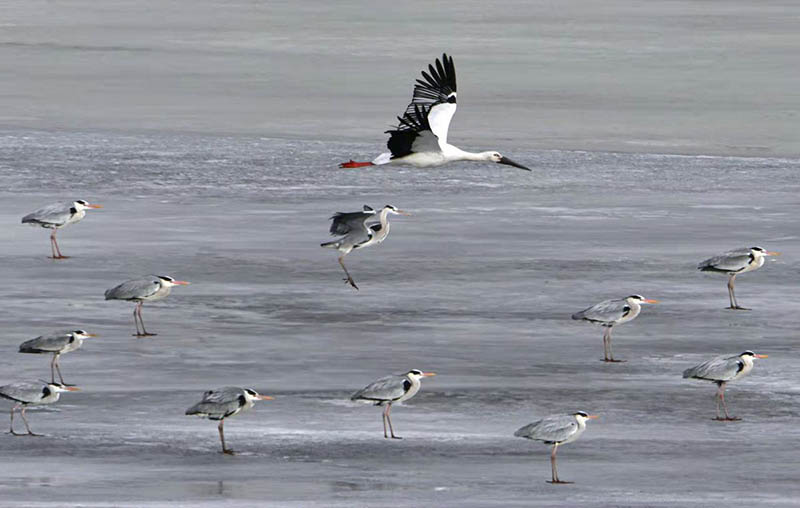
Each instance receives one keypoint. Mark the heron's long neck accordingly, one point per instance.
(384, 217)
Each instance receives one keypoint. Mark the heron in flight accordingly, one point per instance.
(722, 370)
(147, 289)
(26, 394)
(390, 389)
(57, 343)
(735, 262)
(610, 313)
(556, 430)
(222, 403)
(420, 138)
(57, 216)
(356, 234)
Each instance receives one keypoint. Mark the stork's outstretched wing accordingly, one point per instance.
(425, 123)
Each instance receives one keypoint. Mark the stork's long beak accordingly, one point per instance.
(771, 253)
(594, 417)
(509, 162)
(181, 283)
(762, 356)
(647, 300)
(72, 388)
(264, 397)
(428, 374)
(94, 206)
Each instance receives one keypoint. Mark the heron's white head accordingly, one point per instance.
(498, 158)
(760, 251)
(82, 204)
(583, 416)
(751, 355)
(58, 388)
(253, 395)
(640, 299)
(82, 334)
(394, 210)
(168, 281)
(416, 374)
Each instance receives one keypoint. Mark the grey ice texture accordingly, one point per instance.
(211, 133)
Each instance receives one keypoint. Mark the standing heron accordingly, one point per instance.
(556, 430)
(420, 139)
(390, 389)
(57, 216)
(222, 403)
(146, 289)
(735, 262)
(57, 343)
(610, 313)
(356, 234)
(32, 394)
(722, 370)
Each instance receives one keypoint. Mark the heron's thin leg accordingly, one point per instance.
(52, 368)
(136, 320)
(349, 279)
(26, 422)
(609, 353)
(222, 438)
(13, 408)
(553, 468)
(55, 242)
(52, 244)
(144, 332)
(58, 369)
(717, 398)
(605, 344)
(732, 289)
(389, 419)
(383, 415)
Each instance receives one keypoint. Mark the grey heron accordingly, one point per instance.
(390, 389)
(610, 313)
(57, 216)
(556, 430)
(26, 394)
(356, 234)
(57, 343)
(225, 402)
(147, 289)
(420, 139)
(735, 262)
(722, 370)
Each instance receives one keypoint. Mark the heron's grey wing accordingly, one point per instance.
(23, 391)
(219, 403)
(46, 343)
(731, 261)
(344, 223)
(606, 311)
(133, 289)
(55, 214)
(551, 429)
(721, 368)
(385, 388)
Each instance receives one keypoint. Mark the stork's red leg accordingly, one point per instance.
(353, 164)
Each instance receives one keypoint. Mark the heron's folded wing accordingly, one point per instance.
(22, 391)
(721, 368)
(346, 222)
(551, 429)
(55, 214)
(45, 343)
(604, 312)
(731, 261)
(385, 388)
(218, 402)
(132, 289)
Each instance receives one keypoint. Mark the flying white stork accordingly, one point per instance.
(420, 139)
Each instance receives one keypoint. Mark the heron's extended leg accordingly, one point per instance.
(138, 311)
(605, 344)
(14, 408)
(609, 354)
(721, 398)
(26, 422)
(58, 369)
(732, 291)
(52, 368)
(383, 415)
(349, 279)
(55, 244)
(389, 419)
(553, 465)
(222, 438)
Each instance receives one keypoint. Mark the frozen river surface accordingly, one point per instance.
(478, 286)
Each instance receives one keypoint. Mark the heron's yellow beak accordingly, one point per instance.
(265, 397)
(770, 253)
(647, 300)
(72, 388)
(181, 282)
(762, 356)
(594, 417)
(428, 374)
(95, 206)
(91, 335)
(403, 212)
